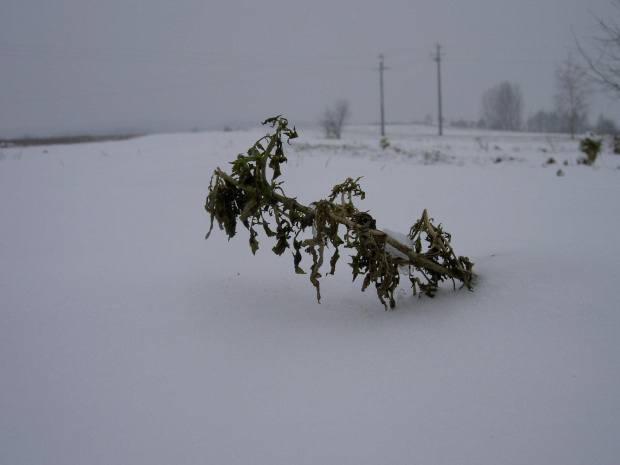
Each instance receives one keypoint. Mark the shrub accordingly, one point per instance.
(591, 146)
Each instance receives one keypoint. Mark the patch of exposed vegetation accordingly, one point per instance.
(253, 196)
(32, 141)
(591, 146)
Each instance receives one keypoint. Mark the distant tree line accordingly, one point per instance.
(575, 81)
(549, 121)
(501, 106)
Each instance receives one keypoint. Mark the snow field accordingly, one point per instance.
(125, 337)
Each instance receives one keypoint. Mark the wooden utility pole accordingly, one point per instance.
(437, 58)
(381, 68)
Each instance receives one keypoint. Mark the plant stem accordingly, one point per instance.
(414, 259)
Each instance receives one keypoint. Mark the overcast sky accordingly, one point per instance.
(75, 66)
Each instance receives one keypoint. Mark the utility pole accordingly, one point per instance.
(437, 58)
(381, 68)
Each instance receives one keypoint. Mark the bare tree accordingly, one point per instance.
(603, 55)
(544, 121)
(502, 106)
(572, 94)
(334, 118)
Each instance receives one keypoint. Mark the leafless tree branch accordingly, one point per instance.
(602, 57)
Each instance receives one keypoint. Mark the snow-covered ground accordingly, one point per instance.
(126, 338)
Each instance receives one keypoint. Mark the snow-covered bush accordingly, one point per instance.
(591, 146)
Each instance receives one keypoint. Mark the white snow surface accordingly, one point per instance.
(126, 338)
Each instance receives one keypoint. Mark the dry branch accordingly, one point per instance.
(249, 196)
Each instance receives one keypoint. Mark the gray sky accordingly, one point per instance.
(75, 66)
